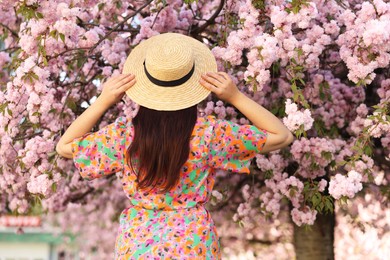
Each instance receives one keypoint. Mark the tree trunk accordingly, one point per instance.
(315, 242)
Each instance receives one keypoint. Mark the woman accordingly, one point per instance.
(168, 155)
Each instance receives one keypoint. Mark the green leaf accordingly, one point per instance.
(316, 199)
(35, 76)
(3, 107)
(274, 110)
(268, 174)
(44, 60)
(368, 150)
(326, 155)
(302, 81)
(62, 37)
(241, 223)
(72, 105)
(292, 192)
(329, 206)
(80, 62)
(100, 6)
(54, 187)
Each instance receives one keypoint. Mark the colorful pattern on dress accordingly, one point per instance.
(174, 225)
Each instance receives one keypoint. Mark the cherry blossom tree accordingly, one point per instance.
(320, 66)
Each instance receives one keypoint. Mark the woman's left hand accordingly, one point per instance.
(114, 89)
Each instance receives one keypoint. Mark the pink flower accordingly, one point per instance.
(341, 185)
(297, 118)
(306, 216)
(322, 185)
(40, 184)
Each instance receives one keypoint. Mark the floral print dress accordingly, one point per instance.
(174, 225)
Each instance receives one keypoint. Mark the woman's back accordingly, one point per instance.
(177, 216)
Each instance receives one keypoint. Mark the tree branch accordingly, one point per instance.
(9, 29)
(75, 197)
(120, 24)
(197, 30)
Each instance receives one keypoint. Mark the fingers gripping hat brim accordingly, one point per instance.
(156, 97)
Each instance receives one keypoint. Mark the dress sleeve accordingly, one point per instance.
(232, 146)
(101, 153)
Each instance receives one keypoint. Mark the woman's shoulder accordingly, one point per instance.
(122, 122)
(211, 120)
(206, 120)
(122, 126)
(210, 124)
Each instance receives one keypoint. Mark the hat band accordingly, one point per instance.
(171, 83)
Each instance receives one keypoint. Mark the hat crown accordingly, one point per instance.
(169, 60)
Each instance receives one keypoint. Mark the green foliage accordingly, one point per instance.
(326, 155)
(296, 5)
(300, 132)
(252, 81)
(275, 69)
(189, 1)
(268, 174)
(259, 4)
(29, 11)
(297, 82)
(278, 110)
(3, 107)
(41, 49)
(325, 91)
(315, 199)
(101, 6)
(30, 77)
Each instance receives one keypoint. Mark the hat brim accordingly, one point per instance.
(152, 96)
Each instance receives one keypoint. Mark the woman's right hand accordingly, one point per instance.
(222, 85)
(278, 136)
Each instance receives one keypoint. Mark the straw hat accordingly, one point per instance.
(167, 68)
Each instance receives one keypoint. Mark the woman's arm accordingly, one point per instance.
(113, 91)
(222, 85)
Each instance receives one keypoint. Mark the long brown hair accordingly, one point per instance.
(161, 145)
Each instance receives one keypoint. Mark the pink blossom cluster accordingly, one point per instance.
(280, 186)
(357, 125)
(311, 40)
(261, 57)
(341, 185)
(288, 186)
(240, 39)
(245, 211)
(114, 52)
(363, 231)
(363, 44)
(41, 184)
(322, 185)
(314, 154)
(295, 118)
(273, 162)
(271, 202)
(218, 197)
(384, 95)
(337, 102)
(221, 111)
(305, 216)
(378, 126)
